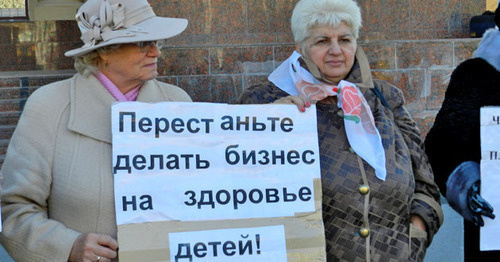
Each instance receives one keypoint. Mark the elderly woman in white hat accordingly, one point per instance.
(57, 199)
(380, 202)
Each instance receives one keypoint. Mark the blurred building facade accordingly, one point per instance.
(230, 45)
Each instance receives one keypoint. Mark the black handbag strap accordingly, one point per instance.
(381, 97)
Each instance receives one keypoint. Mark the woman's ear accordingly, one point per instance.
(104, 59)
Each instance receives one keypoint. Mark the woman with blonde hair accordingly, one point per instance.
(58, 197)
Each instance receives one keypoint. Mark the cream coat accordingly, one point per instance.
(58, 179)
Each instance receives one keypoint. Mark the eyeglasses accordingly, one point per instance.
(146, 45)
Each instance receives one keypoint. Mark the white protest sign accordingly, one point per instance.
(257, 244)
(490, 174)
(205, 161)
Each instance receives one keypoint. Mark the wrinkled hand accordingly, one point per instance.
(478, 205)
(300, 101)
(90, 246)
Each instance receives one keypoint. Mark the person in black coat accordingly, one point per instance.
(453, 142)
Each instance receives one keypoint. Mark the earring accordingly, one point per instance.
(104, 60)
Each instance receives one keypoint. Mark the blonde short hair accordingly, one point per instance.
(310, 13)
(91, 62)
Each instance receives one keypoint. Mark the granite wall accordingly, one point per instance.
(231, 44)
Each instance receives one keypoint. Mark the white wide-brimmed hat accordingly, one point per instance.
(109, 22)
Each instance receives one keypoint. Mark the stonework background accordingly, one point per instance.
(232, 44)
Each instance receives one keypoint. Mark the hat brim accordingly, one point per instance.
(155, 28)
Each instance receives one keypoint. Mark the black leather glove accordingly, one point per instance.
(478, 205)
(463, 193)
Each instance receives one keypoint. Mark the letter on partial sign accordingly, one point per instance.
(304, 158)
(256, 126)
(265, 156)
(200, 249)
(493, 155)
(161, 125)
(214, 247)
(252, 198)
(244, 247)
(122, 120)
(172, 162)
(245, 123)
(145, 125)
(210, 197)
(286, 194)
(132, 202)
(229, 248)
(139, 162)
(192, 198)
(179, 254)
(273, 121)
(286, 124)
(237, 200)
(186, 157)
(278, 155)
(152, 163)
(190, 126)
(119, 167)
(305, 194)
(227, 123)
(496, 119)
(147, 202)
(201, 164)
(219, 199)
(177, 125)
(207, 124)
(293, 157)
(249, 157)
(230, 152)
(272, 195)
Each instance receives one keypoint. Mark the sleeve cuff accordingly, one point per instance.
(430, 211)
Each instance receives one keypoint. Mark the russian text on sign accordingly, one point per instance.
(207, 161)
(241, 197)
(242, 244)
(168, 162)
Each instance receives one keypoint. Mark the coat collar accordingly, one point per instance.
(361, 74)
(90, 106)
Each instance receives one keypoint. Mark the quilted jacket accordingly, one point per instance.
(367, 219)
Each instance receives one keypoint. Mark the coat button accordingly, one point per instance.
(340, 113)
(364, 189)
(364, 232)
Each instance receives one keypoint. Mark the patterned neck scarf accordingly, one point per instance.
(359, 123)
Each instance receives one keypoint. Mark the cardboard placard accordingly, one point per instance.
(490, 174)
(198, 171)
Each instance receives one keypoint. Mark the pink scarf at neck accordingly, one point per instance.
(115, 92)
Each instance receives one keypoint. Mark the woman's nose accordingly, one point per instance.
(154, 51)
(334, 48)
